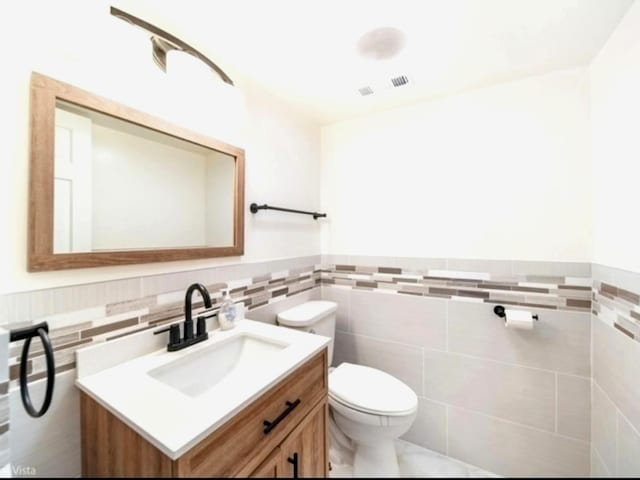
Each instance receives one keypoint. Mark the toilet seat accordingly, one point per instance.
(370, 391)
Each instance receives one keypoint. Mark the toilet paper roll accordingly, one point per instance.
(521, 319)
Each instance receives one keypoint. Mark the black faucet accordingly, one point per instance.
(177, 343)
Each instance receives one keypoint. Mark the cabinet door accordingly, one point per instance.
(304, 453)
(270, 468)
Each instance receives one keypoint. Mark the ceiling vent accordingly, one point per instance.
(364, 91)
(399, 81)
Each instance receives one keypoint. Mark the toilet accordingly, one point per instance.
(370, 408)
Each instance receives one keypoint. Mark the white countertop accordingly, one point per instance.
(173, 421)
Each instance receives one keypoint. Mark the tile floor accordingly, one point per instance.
(416, 461)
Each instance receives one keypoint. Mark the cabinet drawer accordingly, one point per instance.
(243, 443)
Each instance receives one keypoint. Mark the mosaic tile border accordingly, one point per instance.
(618, 307)
(536, 291)
(76, 329)
(70, 330)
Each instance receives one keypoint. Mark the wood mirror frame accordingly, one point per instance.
(45, 91)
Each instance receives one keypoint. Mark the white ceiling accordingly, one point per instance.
(305, 52)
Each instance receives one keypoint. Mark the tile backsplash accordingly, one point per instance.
(85, 314)
(429, 322)
(124, 315)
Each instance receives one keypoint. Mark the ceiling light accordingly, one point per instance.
(381, 43)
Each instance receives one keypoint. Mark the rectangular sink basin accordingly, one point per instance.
(195, 373)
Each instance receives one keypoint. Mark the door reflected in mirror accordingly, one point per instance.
(120, 186)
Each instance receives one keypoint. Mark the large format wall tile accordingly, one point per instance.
(401, 361)
(405, 319)
(429, 429)
(536, 383)
(574, 406)
(493, 394)
(342, 297)
(616, 369)
(628, 443)
(598, 468)
(615, 442)
(514, 450)
(50, 444)
(520, 394)
(560, 340)
(603, 427)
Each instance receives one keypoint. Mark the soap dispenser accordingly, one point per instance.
(227, 312)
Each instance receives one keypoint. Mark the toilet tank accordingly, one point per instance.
(317, 316)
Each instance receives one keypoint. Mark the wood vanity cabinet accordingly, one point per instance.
(303, 453)
(296, 443)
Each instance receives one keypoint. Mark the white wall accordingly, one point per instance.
(497, 173)
(615, 123)
(145, 194)
(219, 194)
(109, 57)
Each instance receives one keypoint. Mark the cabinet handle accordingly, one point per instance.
(294, 461)
(268, 426)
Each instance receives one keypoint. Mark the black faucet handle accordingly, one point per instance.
(188, 329)
(201, 326)
(174, 333)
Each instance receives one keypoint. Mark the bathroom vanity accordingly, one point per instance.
(265, 417)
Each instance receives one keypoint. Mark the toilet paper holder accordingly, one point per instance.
(499, 310)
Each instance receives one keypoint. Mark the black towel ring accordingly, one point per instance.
(27, 334)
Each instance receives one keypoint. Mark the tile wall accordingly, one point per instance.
(615, 420)
(510, 401)
(4, 401)
(85, 314)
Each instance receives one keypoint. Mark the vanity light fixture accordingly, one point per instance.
(163, 42)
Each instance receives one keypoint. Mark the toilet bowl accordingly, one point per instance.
(372, 408)
(369, 407)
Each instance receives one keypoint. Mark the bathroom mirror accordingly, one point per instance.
(111, 185)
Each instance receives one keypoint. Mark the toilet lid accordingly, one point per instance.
(370, 390)
(306, 313)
